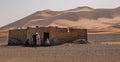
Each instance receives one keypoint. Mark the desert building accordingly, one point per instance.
(60, 35)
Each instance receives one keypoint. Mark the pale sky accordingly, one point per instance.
(13, 10)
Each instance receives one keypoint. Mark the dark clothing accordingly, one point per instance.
(34, 39)
(26, 43)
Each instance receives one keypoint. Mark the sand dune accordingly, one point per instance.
(79, 9)
(81, 17)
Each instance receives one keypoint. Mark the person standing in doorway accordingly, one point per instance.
(34, 39)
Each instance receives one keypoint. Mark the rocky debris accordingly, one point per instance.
(14, 42)
(80, 41)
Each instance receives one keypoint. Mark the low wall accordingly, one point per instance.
(74, 34)
(19, 35)
(61, 34)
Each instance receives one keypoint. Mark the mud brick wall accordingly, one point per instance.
(18, 34)
(41, 30)
(61, 34)
(67, 36)
(82, 34)
(72, 35)
(64, 36)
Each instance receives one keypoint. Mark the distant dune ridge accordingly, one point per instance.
(95, 20)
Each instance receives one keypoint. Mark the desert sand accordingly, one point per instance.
(63, 53)
(95, 51)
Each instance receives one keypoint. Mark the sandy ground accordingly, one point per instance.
(93, 52)
(63, 53)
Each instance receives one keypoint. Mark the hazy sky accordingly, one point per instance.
(13, 10)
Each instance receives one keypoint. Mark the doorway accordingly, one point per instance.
(46, 35)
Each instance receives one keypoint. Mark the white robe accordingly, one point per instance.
(38, 39)
(47, 42)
